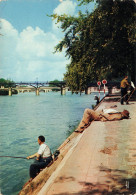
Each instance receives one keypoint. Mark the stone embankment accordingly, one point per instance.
(101, 160)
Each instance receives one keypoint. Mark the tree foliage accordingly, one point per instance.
(100, 44)
(6, 83)
(56, 83)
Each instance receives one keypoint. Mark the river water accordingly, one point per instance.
(23, 118)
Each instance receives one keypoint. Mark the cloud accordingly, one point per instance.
(36, 43)
(67, 7)
(29, 54)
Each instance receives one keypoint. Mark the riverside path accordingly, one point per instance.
(102, 161)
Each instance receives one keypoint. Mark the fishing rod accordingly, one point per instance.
(132, 91)
(56, 153)
(129, 93)
(14, 157)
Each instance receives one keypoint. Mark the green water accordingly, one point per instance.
(23, 118)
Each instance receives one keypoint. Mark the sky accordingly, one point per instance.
(28, 37)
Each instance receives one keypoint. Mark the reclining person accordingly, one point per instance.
(104, 115)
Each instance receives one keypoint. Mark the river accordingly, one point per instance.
(23, 118)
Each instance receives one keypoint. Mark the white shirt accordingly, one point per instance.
(109, 111)
(44, 150)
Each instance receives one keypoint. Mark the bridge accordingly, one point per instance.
(34, 86)
(21, 87)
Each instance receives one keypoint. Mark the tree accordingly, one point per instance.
(100, 44)
(6, 83)
(55, 83)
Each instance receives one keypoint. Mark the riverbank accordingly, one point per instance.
(23, 118)
(100, 160)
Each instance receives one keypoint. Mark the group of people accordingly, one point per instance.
(106, 114)
(44, 156)
(124, 85)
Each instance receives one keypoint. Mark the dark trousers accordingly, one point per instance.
(37, 165)
(124, 96)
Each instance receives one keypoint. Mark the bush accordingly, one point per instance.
(4, 92)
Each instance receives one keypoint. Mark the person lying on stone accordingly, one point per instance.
(104, 115)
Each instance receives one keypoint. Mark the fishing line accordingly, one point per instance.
(14, 157)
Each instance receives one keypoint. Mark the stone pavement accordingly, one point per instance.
(102, 161)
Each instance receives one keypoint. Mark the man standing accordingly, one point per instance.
(124, 85)
(43, 158)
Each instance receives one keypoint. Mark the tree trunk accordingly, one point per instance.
(86, 90)
(133, 74)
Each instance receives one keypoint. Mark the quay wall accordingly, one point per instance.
(40, 180)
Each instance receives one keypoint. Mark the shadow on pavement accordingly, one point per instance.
(115, 184)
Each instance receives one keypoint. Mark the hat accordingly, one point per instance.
(125, 113)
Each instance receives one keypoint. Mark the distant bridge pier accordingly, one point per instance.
(10, 91)
(37, 91)
(63, 90)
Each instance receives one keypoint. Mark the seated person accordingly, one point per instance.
(97, 99)
(43, 158)
(104, 115)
